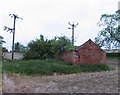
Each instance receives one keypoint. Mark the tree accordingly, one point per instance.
(43, 48)
(109, 36)
(4, 49)
(1, 40)
(64, 44)
(19, 47)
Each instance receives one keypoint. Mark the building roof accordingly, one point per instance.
(86, 43)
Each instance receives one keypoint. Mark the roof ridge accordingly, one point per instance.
(87, 42)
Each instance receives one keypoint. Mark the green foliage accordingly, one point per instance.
(1, 40)
(113, 56)
(19, 47)
(109, 36)
(49, 67)
(4, 49)
(43, 48)
(94, 67)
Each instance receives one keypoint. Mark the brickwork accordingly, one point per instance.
(88, 53)
(70, 57)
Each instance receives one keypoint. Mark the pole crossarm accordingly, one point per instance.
(15, 16)
(8, 29)
(73, 26)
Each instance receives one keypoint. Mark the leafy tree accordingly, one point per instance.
(19, 47)
(109, 36)
(43, 48)
(4, 49)
(64, 44)
(61, 44)
(38, 49)
(1, 40)
(1, 48)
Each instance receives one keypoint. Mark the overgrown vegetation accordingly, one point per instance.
(1, 40)
(115, 56)
(20, 47)
(49, 67)
(43, 48)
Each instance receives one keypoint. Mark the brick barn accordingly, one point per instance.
(88, 53)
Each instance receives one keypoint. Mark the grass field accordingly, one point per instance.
(49, 67)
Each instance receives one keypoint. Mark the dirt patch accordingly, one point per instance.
(98, 82)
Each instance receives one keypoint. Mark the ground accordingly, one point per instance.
(98, 82)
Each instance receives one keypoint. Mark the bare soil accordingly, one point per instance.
(98, 82)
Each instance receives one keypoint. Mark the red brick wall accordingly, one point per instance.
(70, 57)
(91, 56)
(90, 53)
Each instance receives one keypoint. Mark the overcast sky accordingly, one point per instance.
(51, 17)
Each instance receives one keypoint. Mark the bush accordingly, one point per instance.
(44, 48)
(113, 55)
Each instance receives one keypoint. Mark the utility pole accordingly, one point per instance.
(12, 31)
(73, 26)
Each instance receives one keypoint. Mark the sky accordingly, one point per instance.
(50, 18)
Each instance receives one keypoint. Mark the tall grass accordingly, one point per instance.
(49, 67)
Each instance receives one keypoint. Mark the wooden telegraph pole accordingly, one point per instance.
(73, 26)
(12, 30)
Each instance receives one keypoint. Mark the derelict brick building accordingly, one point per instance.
(88, 53)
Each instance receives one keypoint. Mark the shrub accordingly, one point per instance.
(113, 56)
(43, 48)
